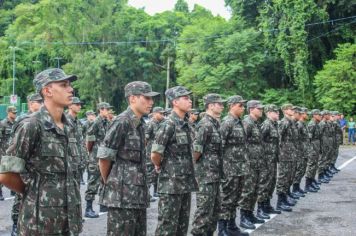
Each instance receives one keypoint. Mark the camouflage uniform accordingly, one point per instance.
(125, 192)
(45, 153)
(96, 134)
(287, 154)
(270, 138)
(326, 144)
(234, 162)
(303, 152)
(338, 140)
(208, 171)
(176, 179)
(315, 150)
(150, 133)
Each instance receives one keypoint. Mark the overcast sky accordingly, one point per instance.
(217, 7)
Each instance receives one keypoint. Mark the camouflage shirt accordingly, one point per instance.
(287, 140)
(5, 133)
(123, 145)
(96, 133)
(326, 133)
(51, 202)
(150, 133)
(207, 141)
(78, 127)
(173, 142)
(303, 137)
(315, 136)
(270, 139)
(234, 146)
(254, 141)
(338, 132)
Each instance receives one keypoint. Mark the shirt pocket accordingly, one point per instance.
(134, 186)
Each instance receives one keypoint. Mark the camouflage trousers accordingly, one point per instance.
(335, 155)
(126, 222)
(324, 158)
(286, 174)
(16, 208)
(271, 179)
(152, 176)
(173, 214)
(208, 208)
(300, 170)
(93, 182)
(255, 182)
(231, 188)
(312, 164)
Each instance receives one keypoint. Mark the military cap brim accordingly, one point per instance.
(150, 94)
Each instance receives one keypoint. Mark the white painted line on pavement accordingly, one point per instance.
(9, 198)
(346, 163)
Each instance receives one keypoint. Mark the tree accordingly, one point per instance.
(181, 6)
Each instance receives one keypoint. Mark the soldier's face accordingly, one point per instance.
(273, 115)
(183, 103)
(75, 107)
(143, 104)
(238, 109)
(11, 115)
(104, 112)
(217, 108)
(317, 117)
(91, 117)
(34, 106)
(60, 92)
(193, 117)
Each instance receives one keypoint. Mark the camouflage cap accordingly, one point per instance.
(235, 99)
(49, 76)
(297, 109)
(76, 100)
(90, 112)
(304, 110)
(213, 98)
(176, 92)
(35, 97)
(112, 112)
(168, 111)
(315, 112)
(11, 109)
(103, 105)
(325, 112)
(158, 110)
(254, 104)
(139, 88)
(287, 106)
(334, 113)
(271, 108)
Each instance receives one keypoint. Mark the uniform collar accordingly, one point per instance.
(181, 122)
(48, 122)
(135, 120)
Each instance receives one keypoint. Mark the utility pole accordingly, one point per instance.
(13, 49)
(58, 59)
(167, 82)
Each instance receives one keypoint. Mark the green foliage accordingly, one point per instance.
(336, 82)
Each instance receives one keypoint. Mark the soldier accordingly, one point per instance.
(122, 164)
(41, 148)
(303, 152)
(256, 176)
(150, 133)
(234, 164)
(287, 158)
(5, 133)
(326, 147)
(94, 138)
(72, 114)
(172, 156)
(270, 138)
(208, 166)
(90, 115)
(315, 152)
(338, 140)
(193, 118)
(34, 103)
(111, 115)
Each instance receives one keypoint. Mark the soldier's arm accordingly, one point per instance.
(201, 137)
(107, 152)
(163, 135)
(90, 138)
(13, 163)
(225, 130)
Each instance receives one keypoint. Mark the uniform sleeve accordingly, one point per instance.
(21, 145)
(163, 135)
(201, 137)
(91, 132)
(247, 127)
(114, 138)
(149, 131)
(265, 130)
(225, 130)
(282, 127)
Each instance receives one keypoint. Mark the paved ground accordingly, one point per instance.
(331, 211)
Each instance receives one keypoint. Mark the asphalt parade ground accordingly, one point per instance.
(331, 211)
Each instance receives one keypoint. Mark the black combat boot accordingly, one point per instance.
(222, 228)
(254, 219)
(269, 208)
(308, 186)
(297, 190)
(233, 229)
(292, 195)
(289, 201)
(315, 184)
(89, 212)
(301, 190)
(210, 233)
(281, 205)
(1, 196)
(329, 173)
(245, 220)
(261, 214)
(12, 193)
(103, 208)
(14, 228)
(334, 167)
(326, 176)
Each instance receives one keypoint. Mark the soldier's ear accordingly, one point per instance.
(47, 91)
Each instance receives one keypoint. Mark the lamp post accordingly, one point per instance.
(58, 59)
(13, 49)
